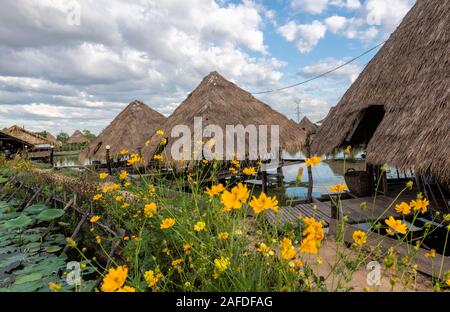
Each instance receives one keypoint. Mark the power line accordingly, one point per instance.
(321, 75)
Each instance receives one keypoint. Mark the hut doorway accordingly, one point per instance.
(366, 125)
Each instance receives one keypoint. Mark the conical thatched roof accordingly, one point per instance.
(26, 136)
(221, 102)
(410, 77)
(308, 126)
(54, 141)
(77, 138)
(129, 130)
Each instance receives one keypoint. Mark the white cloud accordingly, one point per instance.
(386, 13)
(349, 72)
(348, 4)
(335, 23)
(306, 36)
(310, 6)
(155, 51)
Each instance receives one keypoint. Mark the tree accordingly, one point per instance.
(42, 133)
(89, 135)
(62, 137)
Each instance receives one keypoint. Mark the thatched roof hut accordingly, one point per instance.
(129, 130)
(51, 138)
(308, 126)
(77, 138)
(400, 104)
(30, 138)
(220, 102)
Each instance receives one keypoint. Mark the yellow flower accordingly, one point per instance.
(123, 175)
(127, 289)
(98, 239)
(431, 254)
(118, 198)
(287, 250)
(403, 208)
(55, 287)
(223, 235)
(134, 159)
(263, 248)
(103, 176)
(264, 202)
(222, 264)
(215, 190)
(187, 246)
(177, 264)
(359, 237)
(151, 278)
(338, 188)
(123, 152)
(348, 150)
(163, 141)
(125, 205)
(150, 210)
(115, 279)
(115, 186)
(249, 171)
(314, 230)
(199, 226)
(126, 184)
(147, 143)
(71, 242)
(106, 189)
(389, 232)
(158, 157)
(313, 161)
(396, 225)
(236, 163)
(97, 196)
(167, 223)
(409, 184)
(94, 219)
(234, 199)
(160, 132)
(420, 204)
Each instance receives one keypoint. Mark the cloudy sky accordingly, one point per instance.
(75, 64)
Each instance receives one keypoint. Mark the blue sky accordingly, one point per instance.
(76, 64)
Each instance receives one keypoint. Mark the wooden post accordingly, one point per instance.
(310, 185)
(385, 184)
(264, 181)
(108, 159)
(52, 151)
(280, 177)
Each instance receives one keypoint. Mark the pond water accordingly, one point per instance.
(66, 160)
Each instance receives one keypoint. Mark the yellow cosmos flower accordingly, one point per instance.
(309, 245)
(249, 171)
(127, 184)
(215, 190)
(55, 287)
(263, 248)
(115, 186)
(264, 202)
(97, 196)
(150, 210)
(163, 141)
(167, 223)
(396, 225)
(187, 246)
(151, 278)
(118, 198)
(158, 157)
(125, 205)
(94, 219)
(222, 264)
(123, 175)
(223, 235)
(98, 239)
(103, 176)
(199, 226)
(431, 254)
(359, 237)
(313, 161)
(114, 279)
(338, 188)
(123, 152)
(234, 199)
(127, 289)
(147, 143)
(287, 251)
(348, 150)
(160, 132)
(420, 204)
(403, 208)
(389, 232)
(236, 163)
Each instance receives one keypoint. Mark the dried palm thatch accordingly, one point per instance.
(221, 102)
(54, 141)
(308, 126)
(23, 135)
(77, 138)
(129, 130)
(410, 77)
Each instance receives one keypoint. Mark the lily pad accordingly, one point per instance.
(50, 214)
(52, 249)
(35, 209)
(28, 278)
(20, 222)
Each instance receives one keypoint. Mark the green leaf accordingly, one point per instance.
(26, 287)
(52, 249)
(3, 180)
(35, 209)
(20, 222)
(50, 214)
(28, 278)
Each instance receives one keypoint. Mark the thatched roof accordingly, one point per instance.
(129, 130)
(78, 138)
(221, 102)
(308, 126)
(52, 139)
(410, 77)
(26, 136)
